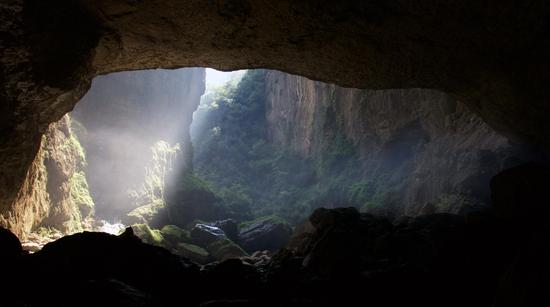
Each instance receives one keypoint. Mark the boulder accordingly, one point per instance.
(31, 247)
(342, 241)
(72, 261)
(203, 234)
(230, 227)
(232, 279)
(259, 258)
(194, 200)
(173, 235)
(267, 233)
(301, 237)
(520, 195)
(193, 252)
(323, 219)
(10, 246)
(146, 234)
(223, 249)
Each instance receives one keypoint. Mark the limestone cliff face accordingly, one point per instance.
(55, 193)
(422, 150)
(123, 118)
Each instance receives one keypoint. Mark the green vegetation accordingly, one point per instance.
(224, 248)
(150, 199)
(80, 194)
(253, 177)
(145, 213)
(192, 252)
(62, 182)
(174, 235)
(148, 235)
(179, 242)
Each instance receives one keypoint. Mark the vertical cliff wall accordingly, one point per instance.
(418, 150)
(135, 129)
(55, 192)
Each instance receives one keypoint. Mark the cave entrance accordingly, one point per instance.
(213, 165)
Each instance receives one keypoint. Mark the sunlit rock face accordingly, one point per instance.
(55, 193)
(492, 55)
(421, 151)
(135, 130)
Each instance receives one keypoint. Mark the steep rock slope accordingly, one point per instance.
(418, 150)
(135, 128)
(55, 193)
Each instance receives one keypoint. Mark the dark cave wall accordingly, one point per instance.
(493, 55)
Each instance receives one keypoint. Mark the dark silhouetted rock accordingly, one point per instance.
(423, 262)
(335, 247)
(323, 219)
(521, 195)
(232, 279)
(74, 260)
(268, 233)
(224, 303)
(521, 201)
(10, 246)
(112, 292)
(301, 237)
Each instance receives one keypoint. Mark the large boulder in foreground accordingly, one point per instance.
(10, 246)
(521, 201)
(73, 260)
(336, 244)
(266, 233)
(522, 194)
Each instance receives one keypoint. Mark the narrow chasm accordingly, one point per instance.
(196, 187)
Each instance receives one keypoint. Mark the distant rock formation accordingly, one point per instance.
(136, 134)
(55, 193)
(418, 148)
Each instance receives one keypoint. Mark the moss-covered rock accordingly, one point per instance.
(174, 235)
(193, 200)
(145, 214)
(265, 233)
(223, 249)
(59, 195)
(148, 235)
(80, 194)
(193, 252)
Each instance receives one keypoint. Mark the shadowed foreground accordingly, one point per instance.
(338, 258)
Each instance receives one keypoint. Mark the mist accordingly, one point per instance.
(133, 127)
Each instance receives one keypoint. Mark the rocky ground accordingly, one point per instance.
(339, 257)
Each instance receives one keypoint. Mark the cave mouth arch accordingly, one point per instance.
(492, 56)
(159, 150)
(498, 68)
